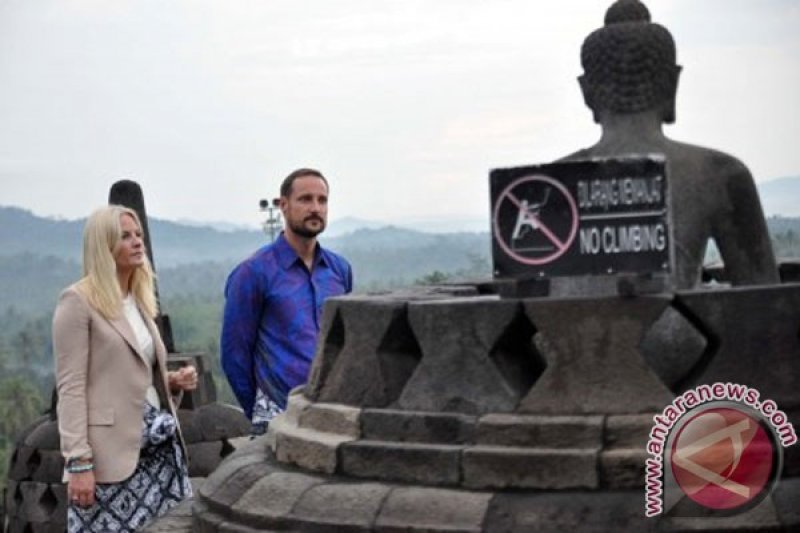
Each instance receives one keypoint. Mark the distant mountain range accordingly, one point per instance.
(781, 196)
(345, 225)
(193, 241)
(39, 256)
(23, 232)
(178, 243)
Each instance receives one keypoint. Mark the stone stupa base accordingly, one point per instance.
(316, 471)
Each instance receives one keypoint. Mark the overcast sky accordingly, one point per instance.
(404, 104)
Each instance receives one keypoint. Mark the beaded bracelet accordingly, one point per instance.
(80, 468)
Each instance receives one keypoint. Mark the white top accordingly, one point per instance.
(145, 341)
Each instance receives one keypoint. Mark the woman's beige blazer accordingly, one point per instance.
(102, 380)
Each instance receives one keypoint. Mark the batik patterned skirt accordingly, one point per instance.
(264, 410)
(159, 483)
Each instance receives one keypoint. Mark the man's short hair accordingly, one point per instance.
(286, 186)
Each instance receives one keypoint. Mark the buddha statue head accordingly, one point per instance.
(629, 65)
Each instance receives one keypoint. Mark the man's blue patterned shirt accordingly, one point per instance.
(273, 307)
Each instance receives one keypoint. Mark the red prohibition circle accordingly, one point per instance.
(506, 194)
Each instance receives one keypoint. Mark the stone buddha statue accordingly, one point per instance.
(629, 82)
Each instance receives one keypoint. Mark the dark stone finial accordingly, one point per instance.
(627, 11)
(629, 64)
(129, 194)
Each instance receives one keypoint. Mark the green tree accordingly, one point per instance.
(5, 355)
(31, 344)
(20, 404)
(433, 278)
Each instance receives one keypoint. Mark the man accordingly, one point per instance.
(274, 300)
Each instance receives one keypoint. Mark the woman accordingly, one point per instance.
(125, 459)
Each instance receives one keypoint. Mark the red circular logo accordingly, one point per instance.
(723, 458)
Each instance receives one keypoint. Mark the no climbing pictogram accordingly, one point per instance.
(535, 220)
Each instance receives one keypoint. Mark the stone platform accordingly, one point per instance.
(252, 491)
(455, 411)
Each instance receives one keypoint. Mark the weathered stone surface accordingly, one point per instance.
(329, 344)
(296, 404)
(59, 512)
(533, 510)
(271, 499)
(377, 353)
(35, 498)
(417, 426)
(12, 498)
(248, 446)
(785, 497)
(178, 520)
(791, 455)
(239, 442)
(251, 456)
(758, 344)
(541, 431)
(232, 527)
(236, 484)
(342, 505)
(623, 468)
(561, 511)
(431, 509)
(44, 436)
(457, 372)
(204, 457)
(531, 468)
(50, 467)
(204, 519)
(196, 483)
(594, 365)
(332, 418)
(190, 426)
(19, 468)
(516, 355)
(218, 421)
(422, 293)
(672, 347)
(306, 448)
(627, 431)
(32, 493)
(426, 464)
(789, 270)
(42, 507)
(761, 517)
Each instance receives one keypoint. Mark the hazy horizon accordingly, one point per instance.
(778, 198)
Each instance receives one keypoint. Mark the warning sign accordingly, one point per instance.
(578, 218)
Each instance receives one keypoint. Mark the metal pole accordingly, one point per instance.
(273, 223)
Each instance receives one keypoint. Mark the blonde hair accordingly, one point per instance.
(101, 240)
